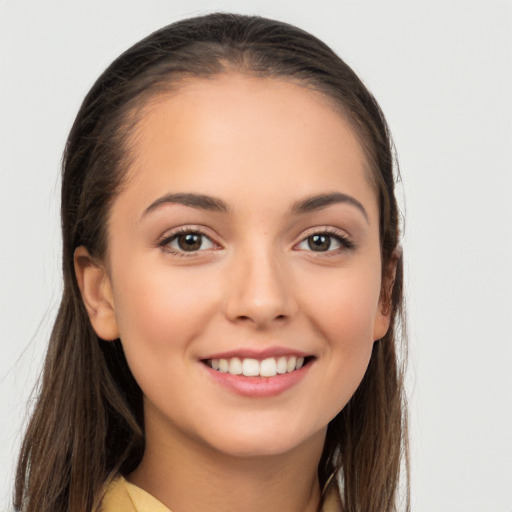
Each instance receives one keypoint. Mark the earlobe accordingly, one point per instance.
(96, 290)
(381, 324)
(383, 317)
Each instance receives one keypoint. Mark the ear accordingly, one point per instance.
(96, 290)
(383, 316)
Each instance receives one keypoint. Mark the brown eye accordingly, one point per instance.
(326, 242)
(190, 241)
(319, 242)
(187, 241)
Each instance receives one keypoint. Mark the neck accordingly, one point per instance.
(187, 476)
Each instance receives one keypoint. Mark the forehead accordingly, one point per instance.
(233, 129)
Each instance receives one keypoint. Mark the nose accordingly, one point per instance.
(259, 292)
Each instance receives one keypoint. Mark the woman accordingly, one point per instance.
(232, 285)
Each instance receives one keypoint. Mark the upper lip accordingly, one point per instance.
(260, 354)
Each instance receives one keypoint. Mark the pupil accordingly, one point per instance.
(189, 242)
(319, 242)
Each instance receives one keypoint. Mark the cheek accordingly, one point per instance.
(344, 311)
(347, 305)
(158, 313)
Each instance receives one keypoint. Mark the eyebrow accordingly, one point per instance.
(200, 201)
(209, 203)
(320, 201)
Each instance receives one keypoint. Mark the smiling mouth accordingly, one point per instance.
(250, 367)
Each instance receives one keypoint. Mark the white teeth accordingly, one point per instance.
(250, 367)
(268, 367)
(282, 365)
(235, 366)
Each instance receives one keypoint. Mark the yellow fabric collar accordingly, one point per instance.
(124, 496)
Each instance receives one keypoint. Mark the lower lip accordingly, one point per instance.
(259, 387)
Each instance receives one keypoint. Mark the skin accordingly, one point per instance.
(260, 146)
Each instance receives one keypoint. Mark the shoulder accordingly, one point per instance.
(117, 498)
(122, 496)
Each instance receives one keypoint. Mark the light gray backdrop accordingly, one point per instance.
(442, 73)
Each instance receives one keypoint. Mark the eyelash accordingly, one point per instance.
(185, 230)
(345, 243)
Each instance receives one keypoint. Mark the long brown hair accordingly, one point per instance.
(87, 424)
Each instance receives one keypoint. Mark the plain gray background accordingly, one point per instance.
(441, 71)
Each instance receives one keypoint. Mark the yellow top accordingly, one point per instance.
(123, 496)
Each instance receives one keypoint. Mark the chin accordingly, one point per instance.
(270, 443)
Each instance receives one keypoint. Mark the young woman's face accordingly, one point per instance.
(245, 240)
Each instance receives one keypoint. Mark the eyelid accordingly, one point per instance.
(171, 235)
(345, 241)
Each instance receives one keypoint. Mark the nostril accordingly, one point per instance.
(250, 318)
